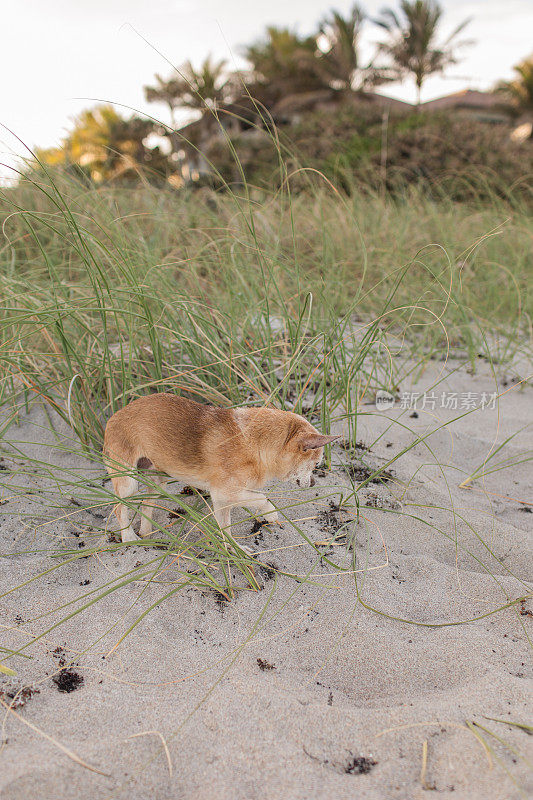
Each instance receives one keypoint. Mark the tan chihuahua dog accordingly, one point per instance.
(230, 452)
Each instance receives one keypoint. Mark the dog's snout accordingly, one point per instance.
(297, 481)
(311, 481)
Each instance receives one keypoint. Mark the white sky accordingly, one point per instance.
(57, 56)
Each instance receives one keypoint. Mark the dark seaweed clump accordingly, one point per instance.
(360, 472)
(177, 513)
(264, 665)
(16, 697)
(329, 519)
(67, 680)
(359, 765)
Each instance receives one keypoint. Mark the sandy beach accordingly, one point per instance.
(337, 685)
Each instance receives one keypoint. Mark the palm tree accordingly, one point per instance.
(190, 88)
(519, 91)
(165, 92)
(282, 64)
(412, 46)
(339, 61)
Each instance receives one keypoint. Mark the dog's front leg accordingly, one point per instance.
(258, 501)
(222, 505)
(221, 509)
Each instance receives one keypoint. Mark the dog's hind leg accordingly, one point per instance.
(124, 486)
(147, 508)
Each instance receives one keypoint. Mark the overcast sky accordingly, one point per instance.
(58, 56)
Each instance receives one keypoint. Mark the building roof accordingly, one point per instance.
(467, 98)
(392, 102)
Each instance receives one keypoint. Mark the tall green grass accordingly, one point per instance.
(309, 301)
(237, 298)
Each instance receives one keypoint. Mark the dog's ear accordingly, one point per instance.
(315, 440)
(295, 427)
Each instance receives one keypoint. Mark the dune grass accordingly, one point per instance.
(310, 301)
(232, 297)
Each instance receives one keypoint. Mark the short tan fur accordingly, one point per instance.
(232, 453)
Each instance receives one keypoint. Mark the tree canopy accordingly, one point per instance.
(412, 40)
(286, 72)
(102, 145)
(519, 91)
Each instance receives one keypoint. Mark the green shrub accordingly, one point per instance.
(451, 154)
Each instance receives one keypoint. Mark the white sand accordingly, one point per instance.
(347, 682)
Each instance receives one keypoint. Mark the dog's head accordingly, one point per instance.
(302, 451)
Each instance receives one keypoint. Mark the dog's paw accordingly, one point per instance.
(129, 535)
